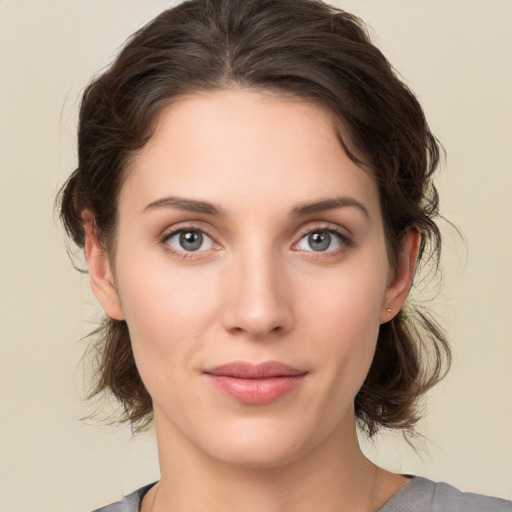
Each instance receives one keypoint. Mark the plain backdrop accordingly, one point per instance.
(455, 54)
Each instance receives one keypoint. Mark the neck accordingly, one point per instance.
(333, 477)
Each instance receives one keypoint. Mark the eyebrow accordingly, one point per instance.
(197, 206)
(329, 204)
(180, 203)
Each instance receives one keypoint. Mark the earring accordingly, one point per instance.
(388, 308)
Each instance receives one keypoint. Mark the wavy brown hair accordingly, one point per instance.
(300, 48)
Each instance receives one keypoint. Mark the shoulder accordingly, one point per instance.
(423, 495)
(130, 503)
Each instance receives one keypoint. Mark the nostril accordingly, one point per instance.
(257, 331)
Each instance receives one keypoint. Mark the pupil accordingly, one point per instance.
(320, 240)
(191, 240)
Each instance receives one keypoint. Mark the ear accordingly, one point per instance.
(401, 279)
(101, 277)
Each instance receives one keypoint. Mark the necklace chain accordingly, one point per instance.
(154, 497)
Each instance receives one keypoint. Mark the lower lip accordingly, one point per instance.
(256, 391)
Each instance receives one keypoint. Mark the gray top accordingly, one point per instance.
(423, 495)
(419, 495)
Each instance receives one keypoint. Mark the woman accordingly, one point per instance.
(253, 196)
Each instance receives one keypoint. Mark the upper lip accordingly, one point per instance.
(246, 370)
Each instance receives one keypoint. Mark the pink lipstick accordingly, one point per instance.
(255, 384)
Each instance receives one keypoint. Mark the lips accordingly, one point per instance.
(258, 384)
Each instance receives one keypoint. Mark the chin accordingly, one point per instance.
(262, 444)
(259, 455)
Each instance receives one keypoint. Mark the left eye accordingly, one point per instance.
(190, 240)
(320, 240)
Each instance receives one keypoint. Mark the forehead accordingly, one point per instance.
(245, 147)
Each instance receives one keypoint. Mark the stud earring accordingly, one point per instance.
(388, 308)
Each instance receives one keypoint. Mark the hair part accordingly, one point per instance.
(304, 49)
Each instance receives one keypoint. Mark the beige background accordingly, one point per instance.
(454, 53)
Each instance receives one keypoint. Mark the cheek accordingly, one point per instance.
(351, 339)
(167, 311)
(348, 299)
(343, 311)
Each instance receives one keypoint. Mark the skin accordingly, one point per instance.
(254, 291)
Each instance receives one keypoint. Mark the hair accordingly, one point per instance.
(304, 49)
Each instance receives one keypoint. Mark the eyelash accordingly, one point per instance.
(345, 242)
(184, 229)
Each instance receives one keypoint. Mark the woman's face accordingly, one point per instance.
(251, 269)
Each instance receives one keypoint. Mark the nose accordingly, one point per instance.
(258, 298)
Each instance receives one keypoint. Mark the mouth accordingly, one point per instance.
(258, 384)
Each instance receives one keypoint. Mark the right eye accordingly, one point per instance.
(189, 240)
